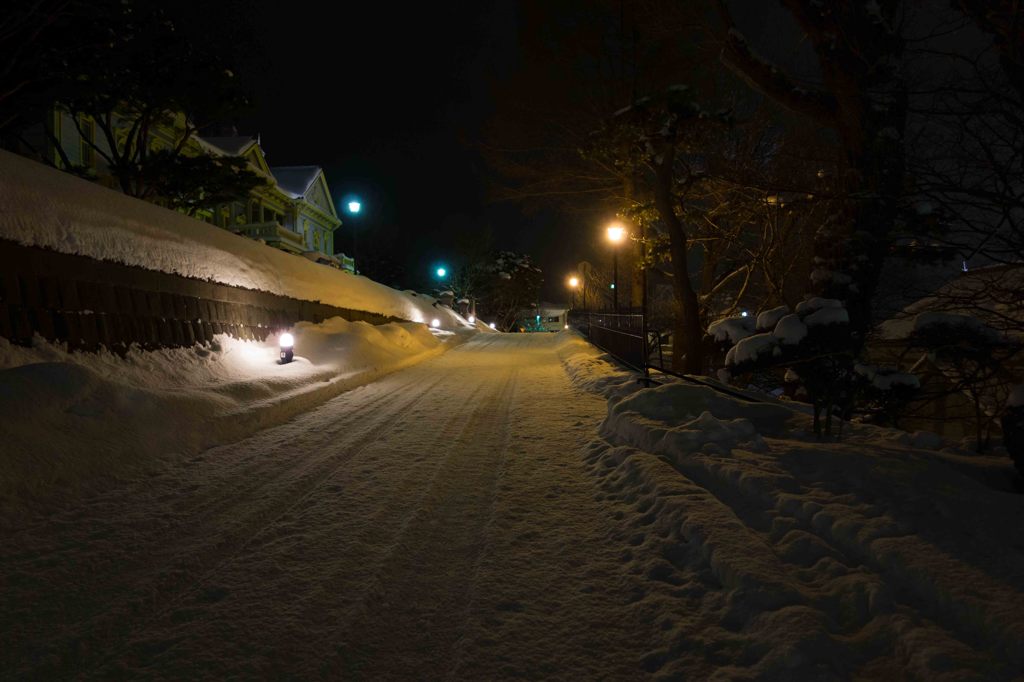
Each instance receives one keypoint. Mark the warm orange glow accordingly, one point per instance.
(616, 233)
(574, 282)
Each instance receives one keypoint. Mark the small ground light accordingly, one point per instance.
(472, 319)
(566, 326)
(287, 343)
(492, 325)
(744, 313)
(435, 323)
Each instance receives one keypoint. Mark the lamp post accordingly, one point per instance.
(574, 283)
(354, 206)
(616, 233)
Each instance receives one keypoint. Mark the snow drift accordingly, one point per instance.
(72, 418)
(866, 558)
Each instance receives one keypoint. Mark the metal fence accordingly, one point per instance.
(619, 334)
(625, 337)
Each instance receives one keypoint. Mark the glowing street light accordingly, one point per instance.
(354, 206)
(574, 284)
(435, 323)
(287, 343)
(615, 233)
(441, 272)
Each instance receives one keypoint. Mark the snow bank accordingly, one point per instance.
(47, 208)
(868, 558)
(694, 418)
(71, 418)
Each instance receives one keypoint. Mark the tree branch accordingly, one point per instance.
(768, 79)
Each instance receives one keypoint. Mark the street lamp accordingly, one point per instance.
(574, 283)
(441, 272)
(616, 233)
(354, 206)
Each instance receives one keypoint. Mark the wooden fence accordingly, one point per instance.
(88, 303)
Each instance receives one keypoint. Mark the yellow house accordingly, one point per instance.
(293, 211)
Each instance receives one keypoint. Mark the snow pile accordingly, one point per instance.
(934, 322)
(691, 419)
(71, 418)
(592, 370)
(868, 558)
(47, 208)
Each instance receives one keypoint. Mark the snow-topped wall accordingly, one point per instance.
(44, 207)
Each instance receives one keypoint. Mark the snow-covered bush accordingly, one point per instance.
(812, 340)
(884, 392)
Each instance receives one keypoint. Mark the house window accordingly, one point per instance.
(88, 129)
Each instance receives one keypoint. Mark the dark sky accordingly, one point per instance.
(390, 99)
(393, 100)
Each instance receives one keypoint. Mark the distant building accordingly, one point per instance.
(548, 317)
(293, 211)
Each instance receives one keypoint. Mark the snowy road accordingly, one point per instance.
(471, 517)
(436, 524)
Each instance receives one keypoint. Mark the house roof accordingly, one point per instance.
(990, 294)
(233, 146)
(295, 180)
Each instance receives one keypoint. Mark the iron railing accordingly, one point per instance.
(625, 337)
(618, 334)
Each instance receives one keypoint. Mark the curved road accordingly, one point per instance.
(437, 524)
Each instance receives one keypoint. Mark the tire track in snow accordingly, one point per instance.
(164, 575)
(400, 624)
(220, 630)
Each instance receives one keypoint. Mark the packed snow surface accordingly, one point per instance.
(519, 508)
(47, 208)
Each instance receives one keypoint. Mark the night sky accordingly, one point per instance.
(391, 101)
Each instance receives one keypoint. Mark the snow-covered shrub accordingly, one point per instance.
(731, 329)
(767, 320)
(884, 392)
(812, 340)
